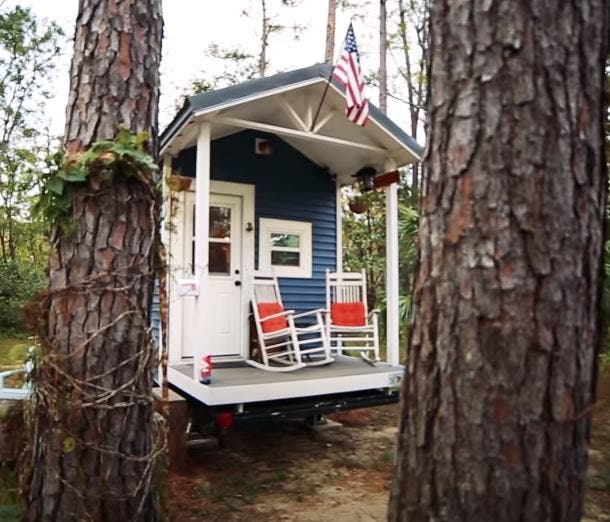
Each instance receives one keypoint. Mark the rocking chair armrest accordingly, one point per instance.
(311, 312)
(374, 312)
(275, 316)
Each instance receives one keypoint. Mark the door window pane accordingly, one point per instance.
(220, 222)
(282, 258)
(220, 258)
(285, 240)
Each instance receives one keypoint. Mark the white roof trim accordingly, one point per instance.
(401, 143)
(273, 92)
(275, 129)
(258, 96)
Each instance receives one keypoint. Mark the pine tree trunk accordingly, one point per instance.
(265, 31)
(93, 441)
(383, 70)
(330, 32)
(500, 380)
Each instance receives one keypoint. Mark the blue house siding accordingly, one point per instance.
(288, 186)
(155, 312)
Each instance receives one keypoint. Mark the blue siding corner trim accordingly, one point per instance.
(288, 186)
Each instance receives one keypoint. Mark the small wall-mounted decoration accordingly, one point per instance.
(262, 147)
(177, 183)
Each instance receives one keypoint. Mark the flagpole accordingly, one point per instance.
(330, 76)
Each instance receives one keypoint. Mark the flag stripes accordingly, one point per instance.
(348, 73)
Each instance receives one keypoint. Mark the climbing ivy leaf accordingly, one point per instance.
(75, 174)
(56, 186)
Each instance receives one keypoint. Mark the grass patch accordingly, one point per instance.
(13, 350)
(600, 482)
(9, 490)
(10, 513)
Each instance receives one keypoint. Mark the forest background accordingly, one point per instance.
(200, 53)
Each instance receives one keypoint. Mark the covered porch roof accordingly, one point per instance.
(285, 104)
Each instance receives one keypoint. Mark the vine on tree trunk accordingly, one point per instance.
(124, 155)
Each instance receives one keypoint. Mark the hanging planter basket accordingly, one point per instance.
(357, 206)
(179, 183)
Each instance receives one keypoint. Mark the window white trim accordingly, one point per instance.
(303, 229)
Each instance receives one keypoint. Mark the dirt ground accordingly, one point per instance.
(288, 472)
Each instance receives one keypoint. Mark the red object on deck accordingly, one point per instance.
(205, 371)
(348, 314)
(225, 419)
(275, 324)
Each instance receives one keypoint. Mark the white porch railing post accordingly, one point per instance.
(202, 231)
(392, 282)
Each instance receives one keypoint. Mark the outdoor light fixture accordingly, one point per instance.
(365, 177)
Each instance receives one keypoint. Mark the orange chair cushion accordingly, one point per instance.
(348, 314)
(272, 325)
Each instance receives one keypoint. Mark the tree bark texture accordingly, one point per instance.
(93, 445)
(383, 47)
(501, 371)
(329, 50)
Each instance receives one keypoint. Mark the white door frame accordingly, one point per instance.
(247, 253)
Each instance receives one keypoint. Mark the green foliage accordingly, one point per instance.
(364, 247)
(239, 65)
(200, 86)
(364, 242)
(123, 156)
(10, 513)
(29, 47)
(13, 350)
(9, 493)
(19, 282)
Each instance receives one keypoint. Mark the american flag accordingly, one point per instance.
(348, 73)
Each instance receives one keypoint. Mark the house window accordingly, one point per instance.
(285, 248)
(220, 240)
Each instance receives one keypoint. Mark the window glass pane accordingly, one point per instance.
(220, 222)
(285, 240)
(220, 258)
(280, 258)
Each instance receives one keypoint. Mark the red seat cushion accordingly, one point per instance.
(272, 325)
(348, 314)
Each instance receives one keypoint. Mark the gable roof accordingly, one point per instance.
(312, 79)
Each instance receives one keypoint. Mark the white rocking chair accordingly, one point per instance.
(281, 341)
(349, 326)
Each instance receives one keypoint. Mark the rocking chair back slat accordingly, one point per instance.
(349, 324)
(267, 291)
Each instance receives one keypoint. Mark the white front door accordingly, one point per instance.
(225, 275)
(225, 324)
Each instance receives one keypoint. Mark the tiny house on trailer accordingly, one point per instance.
(257, 161)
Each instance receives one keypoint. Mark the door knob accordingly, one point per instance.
(237, 283)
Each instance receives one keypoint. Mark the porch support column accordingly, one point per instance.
(202, 230)
(339, 228)
(392, 284)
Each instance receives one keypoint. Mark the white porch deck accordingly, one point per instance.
(246, 384)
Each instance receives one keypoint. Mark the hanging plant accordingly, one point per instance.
(178, 183)
(358, 205)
